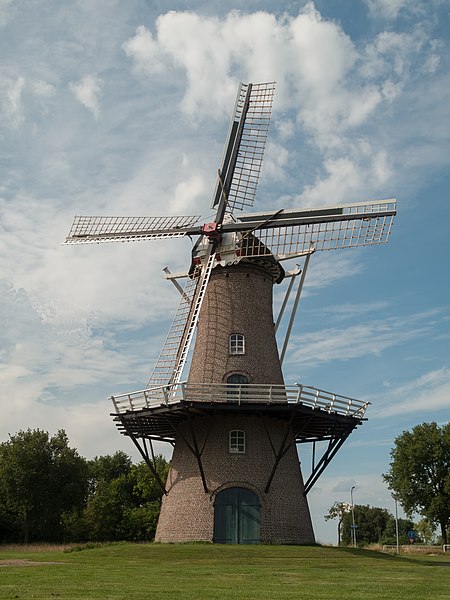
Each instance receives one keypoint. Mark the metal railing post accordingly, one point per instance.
(166, 395)
(114, 404)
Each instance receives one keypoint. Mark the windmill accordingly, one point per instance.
(234, 424)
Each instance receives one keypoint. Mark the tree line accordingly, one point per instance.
(48, 492)
(376, 525)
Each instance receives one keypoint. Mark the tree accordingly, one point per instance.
(145, 484)
(40, 479)
(389, 535)
(419, 473)
(109, 467)
(48, 492)
(124, 500)
(103, 515)
(143, 518)
(110, 493)
(426, 531)
(338, 511)
(370, 522)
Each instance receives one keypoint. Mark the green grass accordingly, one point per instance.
(201, 571)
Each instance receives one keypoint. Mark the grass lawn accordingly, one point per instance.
(198, 571)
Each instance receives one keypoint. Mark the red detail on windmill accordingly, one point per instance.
(211, 230)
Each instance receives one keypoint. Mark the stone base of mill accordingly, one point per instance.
(236, 507)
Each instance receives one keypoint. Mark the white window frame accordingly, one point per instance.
(236, 343)
(236, 441)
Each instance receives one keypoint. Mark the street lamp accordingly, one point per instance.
(396, 523)
(353, 519)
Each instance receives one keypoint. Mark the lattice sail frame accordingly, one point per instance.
(95, 230)
(358, 225)
(173, 356)
(244, 150)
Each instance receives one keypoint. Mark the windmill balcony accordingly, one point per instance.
(241, 394)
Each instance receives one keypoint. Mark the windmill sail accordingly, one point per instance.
(294, 232)
(169, 366)
(95, 230)
(244, 150)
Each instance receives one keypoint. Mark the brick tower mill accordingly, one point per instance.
(234, 424)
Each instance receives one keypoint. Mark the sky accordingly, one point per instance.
(122, 108)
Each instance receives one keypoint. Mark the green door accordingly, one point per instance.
(236, 517)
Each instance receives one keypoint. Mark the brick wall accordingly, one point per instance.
(238, 300)
(187, 512)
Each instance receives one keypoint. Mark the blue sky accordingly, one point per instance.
(110, 107)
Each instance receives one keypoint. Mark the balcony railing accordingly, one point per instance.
(220, 393)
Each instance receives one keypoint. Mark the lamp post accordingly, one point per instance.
(353, 519)
(396, 524)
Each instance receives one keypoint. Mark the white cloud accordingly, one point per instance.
(381, 168)
(144, 51)
(44, 92)
(187, 194)
(433, 60)
(78, 283)
(18, 96)
(88, 91)
(344, 485)
(11, 91)
(285, 128)
(321, 57)
(345, 311)
(43, 89)
(276, 160)
(57, 371)
(357, 177)
(390, 9)
(369, 99)
(355, 341)
(428, 393)
(399, 57)
(311, 59)
(341, 180)
(201, 46)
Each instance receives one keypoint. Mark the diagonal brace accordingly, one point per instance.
(143, 451)
(194, 447)
(283, 448)
(333, 446)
